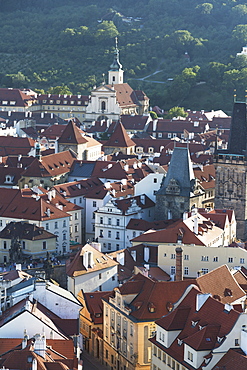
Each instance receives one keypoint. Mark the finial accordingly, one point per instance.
(103, 75)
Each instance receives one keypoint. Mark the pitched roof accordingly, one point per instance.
(51, 165)
(25, 230)
(210, 316)
(234, 359)
(76, 267)
(11, 145)
(152, 299)
(72, 135)
(119, 138)
(221, 284)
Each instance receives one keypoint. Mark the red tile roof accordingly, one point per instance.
(10, 145)
(234, 359)
(119, 138)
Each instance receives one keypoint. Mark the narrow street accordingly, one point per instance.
(91, 363)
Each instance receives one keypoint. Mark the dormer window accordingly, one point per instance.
(8, 179)
(151, 307)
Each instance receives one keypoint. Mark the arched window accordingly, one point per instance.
(103, 106)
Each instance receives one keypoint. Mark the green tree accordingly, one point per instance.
(176, 112)
(60, 90)
(205, 8)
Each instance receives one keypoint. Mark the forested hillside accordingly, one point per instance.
(188, 47)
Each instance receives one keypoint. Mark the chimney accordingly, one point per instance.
(40, 344)
(195, 228)
(179, 264)
(25, 339)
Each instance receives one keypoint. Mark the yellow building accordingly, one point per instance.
(19, 238)
(129, 320)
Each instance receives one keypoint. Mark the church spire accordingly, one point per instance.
(115, 74)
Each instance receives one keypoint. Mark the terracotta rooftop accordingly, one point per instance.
(119, 138)
(234, 359)
(75, 267)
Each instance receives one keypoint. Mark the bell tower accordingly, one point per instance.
(115, 73)
(231, 167)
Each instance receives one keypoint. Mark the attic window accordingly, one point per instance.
(151, 307)
(208, 339)
(228, 292)
(97, 314)
(180, 342)
(193, 323)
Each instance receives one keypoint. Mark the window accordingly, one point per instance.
(134, 234)
(76, 228)
(5, 245)
(205, 258)
(24, 244)
(242, 260)
(101, 220)
(204, 271)
(186, 271)
(106, 353)
(159, 353)
(236, 342)
(173, 256)
(109, 246)
(47, 226)
(64, 236)
(100, 276)
(109, 221)
(164, 357)
(186, 257)
(64, 223)
(113, 278)
(44, 245)
(117, 235)
(112, 359)
(118, 222)
(93, 216)
(230, 259)
(215, 259)
(190, 356)
(169, 135)
(109, 233)
(155, 180)
(101, 233)
(173, 270)
(94, 203)
(76, 216)
(56, 225)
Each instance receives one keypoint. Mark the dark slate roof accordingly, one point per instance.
(80, 169)
(237, 142)
(181, 170)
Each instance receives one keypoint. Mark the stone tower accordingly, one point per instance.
(231, 167)
(180, 190)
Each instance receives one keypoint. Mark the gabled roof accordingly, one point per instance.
(72, 135)
(76, 267)
(94, 304)
(11, 145)
(221, 284)
(119, 138)
(16, 96)
(26, 231)
(152, 299)
(51, 165)
(126, 96)
(212, 316)
(234, 359)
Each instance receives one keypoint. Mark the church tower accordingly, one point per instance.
(115, 74)
(231, 171)
(180, 190)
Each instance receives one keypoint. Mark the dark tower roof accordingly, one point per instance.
(116, 65)
(180, 170)
(238, 132)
